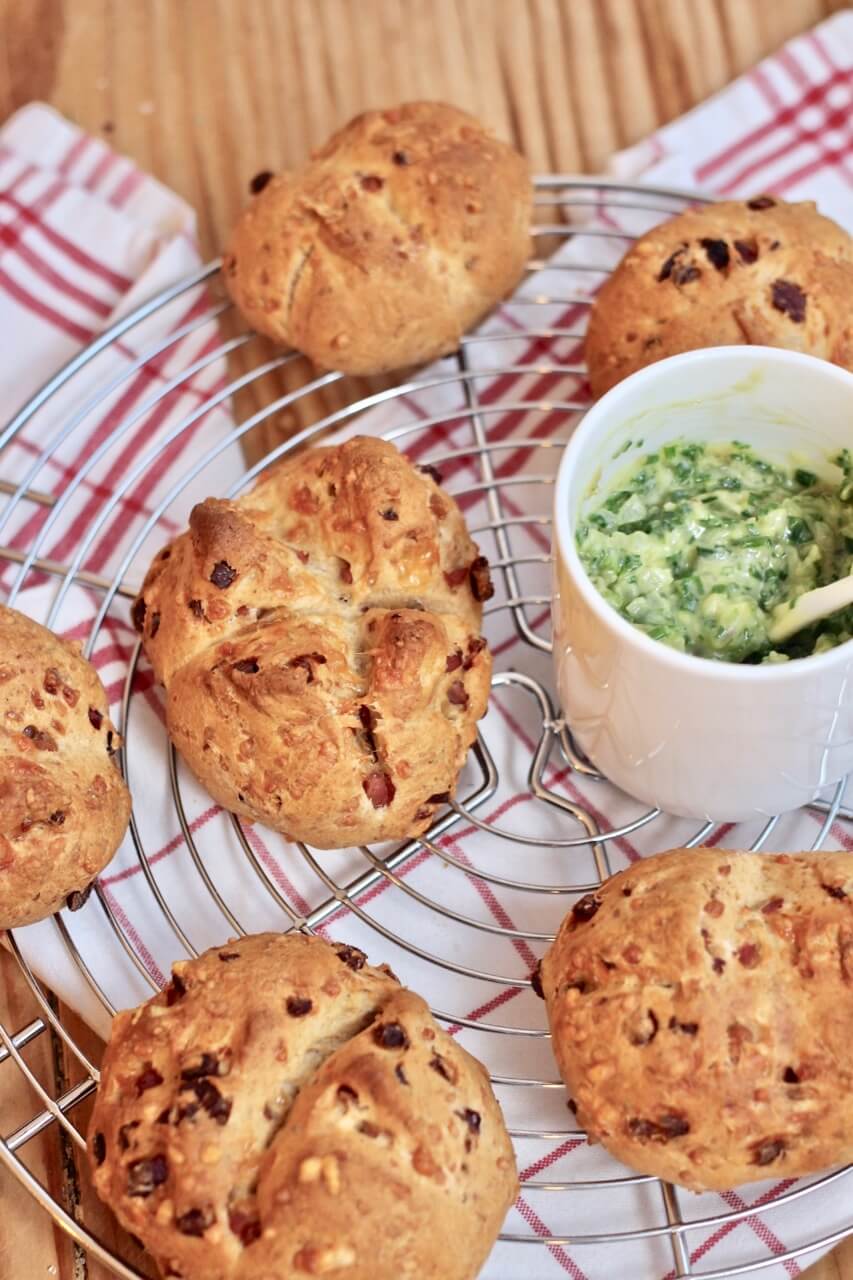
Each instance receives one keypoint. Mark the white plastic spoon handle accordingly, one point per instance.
(810, 607)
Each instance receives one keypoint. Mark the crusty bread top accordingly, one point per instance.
(63, 804)
(284, 1104)
(329, 531)
(319, 641)
(701, 1004)
(405, 228)
(760, 271)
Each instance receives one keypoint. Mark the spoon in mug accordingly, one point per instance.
(794, 615)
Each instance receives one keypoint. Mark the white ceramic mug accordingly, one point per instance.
(700, 738)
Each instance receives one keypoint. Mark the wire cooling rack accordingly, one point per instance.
(463, 913)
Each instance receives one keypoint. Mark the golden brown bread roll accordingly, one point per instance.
(64, 807)
(701, 1006)
(404, 230)
(284, 1109)
(756, 272)
(319, 643)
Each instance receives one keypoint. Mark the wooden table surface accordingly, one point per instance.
(205, 93)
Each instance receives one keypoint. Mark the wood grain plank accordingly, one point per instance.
(627, 54)
(28, 1247)
(836, 1266)
(204, 93)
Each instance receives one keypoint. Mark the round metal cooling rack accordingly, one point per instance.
(462, 913)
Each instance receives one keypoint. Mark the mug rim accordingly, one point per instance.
(565, 548)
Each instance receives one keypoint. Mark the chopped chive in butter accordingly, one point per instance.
(698, 543)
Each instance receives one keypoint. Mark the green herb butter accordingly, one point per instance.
(700, 542)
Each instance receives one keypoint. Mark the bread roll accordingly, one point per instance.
(285, 1109)
(319, 643)
(404, 230)
(64, 807)
(760, 272)
(701, 1006)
